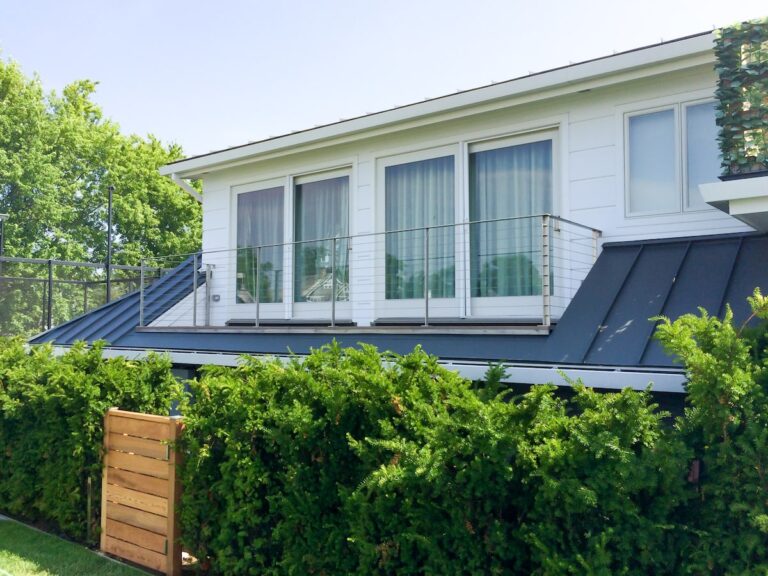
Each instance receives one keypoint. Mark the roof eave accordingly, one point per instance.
(608, 69)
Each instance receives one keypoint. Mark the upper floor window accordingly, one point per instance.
(507, 184)
(670, 152)
(259, 245)
(419, 195)
(321, 226)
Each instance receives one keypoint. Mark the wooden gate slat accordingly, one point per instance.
(134, 553)
(140, 446)
(140, 428)
(139, 500)
(141, 482)
(138, 536)
(140, 464)
(138, 518)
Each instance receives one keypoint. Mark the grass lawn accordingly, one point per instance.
(27, 552)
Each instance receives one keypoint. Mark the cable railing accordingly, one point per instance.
(522, 270)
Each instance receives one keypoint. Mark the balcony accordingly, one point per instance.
(505, 274)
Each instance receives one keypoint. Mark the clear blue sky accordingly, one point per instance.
(211, 74)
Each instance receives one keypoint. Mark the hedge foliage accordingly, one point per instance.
(347, 464)
(51, 427)
(355, 462)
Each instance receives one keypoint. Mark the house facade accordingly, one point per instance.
(540, 221)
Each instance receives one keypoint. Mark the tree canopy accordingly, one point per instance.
(58, 157)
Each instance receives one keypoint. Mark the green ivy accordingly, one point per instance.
(51, 427)
(741, 52)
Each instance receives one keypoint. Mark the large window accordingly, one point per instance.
(259, 245)
(420, 195)
(321, 224)
(507, 185)
(669, 153)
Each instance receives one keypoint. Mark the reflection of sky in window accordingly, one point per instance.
(652, 182)
(703, 158)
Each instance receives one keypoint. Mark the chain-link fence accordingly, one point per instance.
(36, 294)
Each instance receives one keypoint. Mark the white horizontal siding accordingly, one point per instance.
(591, 187)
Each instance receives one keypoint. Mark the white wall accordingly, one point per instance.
(589, 169)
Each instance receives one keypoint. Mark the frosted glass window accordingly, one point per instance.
(703, 155)
(652, 163)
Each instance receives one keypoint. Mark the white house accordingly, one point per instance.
(539, 221)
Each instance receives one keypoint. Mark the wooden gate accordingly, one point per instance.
(140, 490)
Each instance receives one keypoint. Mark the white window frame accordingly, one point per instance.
(512, 306)
(684, 152)
(267, 311)
(316, 310)
(680, 109)
(414, 307)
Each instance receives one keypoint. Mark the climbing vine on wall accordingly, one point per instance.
(742, 93)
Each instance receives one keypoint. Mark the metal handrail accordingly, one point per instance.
(550, 231)
(382, 233)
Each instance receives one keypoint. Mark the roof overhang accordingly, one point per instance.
(666, 57)
(745, 199)
(604, 377)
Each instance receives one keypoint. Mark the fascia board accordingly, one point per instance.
(609, 378)
(623, 67)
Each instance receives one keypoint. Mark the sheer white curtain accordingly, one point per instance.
(260, 223)
(321, 212)
(508, 182)
(420, 194)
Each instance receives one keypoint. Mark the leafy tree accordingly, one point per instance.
(59, 156)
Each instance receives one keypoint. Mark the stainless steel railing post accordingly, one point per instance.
(426, 276)
(194, 290)
(141, 293)
(208, 275)
(333, 283)
(545, 273)
(258, 285)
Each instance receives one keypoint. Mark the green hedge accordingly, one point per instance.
(356, 462)
(741, 51)
(51, 428)
(347, 464)
(353, 462)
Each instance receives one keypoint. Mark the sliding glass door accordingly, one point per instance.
(259, 246)
(509, 182)
(321, 227)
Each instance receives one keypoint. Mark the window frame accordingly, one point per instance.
(679, 108)
(266, 309)
(314, 310)
(684, 154)
(490, 306)
(446, 307)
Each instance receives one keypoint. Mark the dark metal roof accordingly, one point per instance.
(606, 324)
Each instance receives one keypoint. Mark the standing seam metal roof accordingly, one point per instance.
(607, 323)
